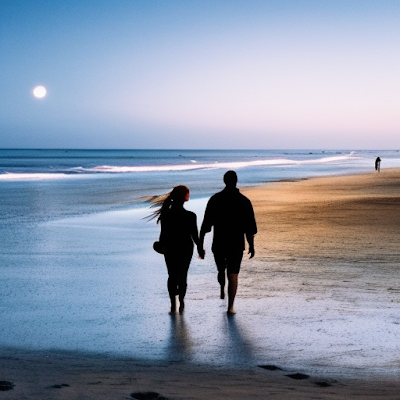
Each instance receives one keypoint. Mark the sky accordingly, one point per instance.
(200, 74)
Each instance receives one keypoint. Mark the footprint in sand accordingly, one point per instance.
(298, 376)
(147, 396)
(323, 384)
(5, 385)
(63, 385)
(271, 367)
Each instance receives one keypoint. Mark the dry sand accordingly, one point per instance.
(337, 234)
(345, 217)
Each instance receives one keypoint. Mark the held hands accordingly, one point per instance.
(201, 252)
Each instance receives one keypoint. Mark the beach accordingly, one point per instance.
(53, 375)
(324, 282)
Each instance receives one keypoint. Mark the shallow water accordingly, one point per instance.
(93, 284)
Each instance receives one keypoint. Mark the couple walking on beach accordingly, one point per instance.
(231, 216)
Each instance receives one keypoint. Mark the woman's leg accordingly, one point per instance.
(172, 283)
(182, 287)
(182, 279)
(172, 290)
(220, 262)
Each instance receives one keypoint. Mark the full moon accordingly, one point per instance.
(39, 92)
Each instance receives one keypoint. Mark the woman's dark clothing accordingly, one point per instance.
(178, 232)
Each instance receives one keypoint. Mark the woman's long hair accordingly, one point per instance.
(165, 202)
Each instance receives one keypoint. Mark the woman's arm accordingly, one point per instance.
(195, 236)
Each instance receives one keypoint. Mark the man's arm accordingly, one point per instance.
(250, 241)
(204, 229)
(251, 230)
(195, 237)
(207, 223)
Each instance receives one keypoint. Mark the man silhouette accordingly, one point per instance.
(231, 215)
(378, 164)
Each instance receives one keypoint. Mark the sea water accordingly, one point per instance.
(77, 267)
(48, 184)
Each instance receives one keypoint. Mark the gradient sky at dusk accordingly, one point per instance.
(200, 74)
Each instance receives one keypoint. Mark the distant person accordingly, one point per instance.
(231, 216)
(178, 233)
(378, 164)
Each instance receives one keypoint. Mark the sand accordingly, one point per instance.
(344, 217)
(330, 238)
(51, 375)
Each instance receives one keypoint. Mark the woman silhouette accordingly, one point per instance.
(178, 233)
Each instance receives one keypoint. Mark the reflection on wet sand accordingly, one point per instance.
(241, 349)
(179, 346)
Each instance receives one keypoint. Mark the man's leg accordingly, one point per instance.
(220, 261)
(233, 268)
(232, 289)
(221, 281)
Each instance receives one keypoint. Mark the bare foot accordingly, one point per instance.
(231, 311)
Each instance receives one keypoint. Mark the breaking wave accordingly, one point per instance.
(8, 176)
(217, 165)
(193, 165)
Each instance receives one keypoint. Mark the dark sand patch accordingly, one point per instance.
(6, 385)
(298, 376)
(271, 367)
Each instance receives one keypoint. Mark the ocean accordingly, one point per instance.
(78, 272)
(42, 185)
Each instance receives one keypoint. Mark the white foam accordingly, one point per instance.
(216, 165)
(30, 176)
(175, 167)
(328, 159)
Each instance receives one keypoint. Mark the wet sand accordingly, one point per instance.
(327, 245)
(51, 375)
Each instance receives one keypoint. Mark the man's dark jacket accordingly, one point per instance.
(232, 216)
